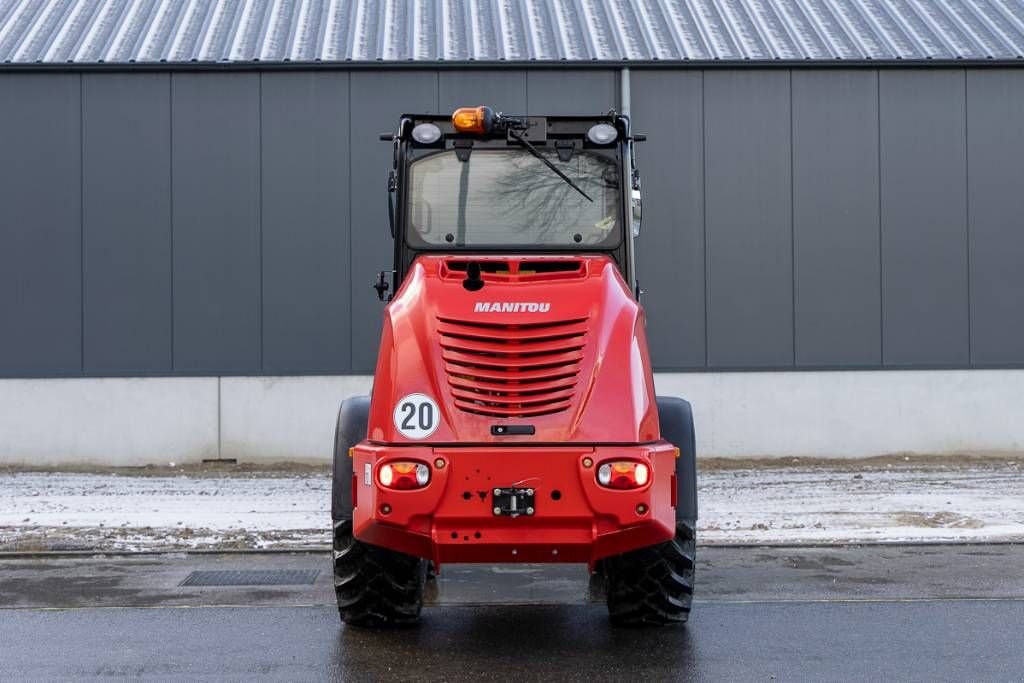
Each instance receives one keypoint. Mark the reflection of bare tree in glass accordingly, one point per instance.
(531, 189)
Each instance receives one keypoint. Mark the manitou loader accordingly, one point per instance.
(513, 416)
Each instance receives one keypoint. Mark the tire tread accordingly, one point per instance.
(653, 586)
(374, 586)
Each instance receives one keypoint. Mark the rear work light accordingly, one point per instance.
(426, 133)
(403, 475)
(623, 474)
(602, 134)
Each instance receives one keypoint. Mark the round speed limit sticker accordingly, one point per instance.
(416, 416)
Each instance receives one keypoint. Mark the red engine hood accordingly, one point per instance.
(549, 342)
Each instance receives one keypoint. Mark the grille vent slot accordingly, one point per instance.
(505, 371)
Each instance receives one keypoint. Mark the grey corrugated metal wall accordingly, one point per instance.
(230, 223)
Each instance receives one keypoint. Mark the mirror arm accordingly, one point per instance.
(636, 204)
(382, 286)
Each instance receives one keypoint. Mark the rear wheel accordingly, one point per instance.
(653, 586)
(375, 586)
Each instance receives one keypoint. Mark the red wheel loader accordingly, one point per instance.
(513, 416)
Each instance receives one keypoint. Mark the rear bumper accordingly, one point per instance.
(575, 519)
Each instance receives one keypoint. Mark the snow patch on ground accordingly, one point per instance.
(790, 504)
(938, 503)
(118, 512)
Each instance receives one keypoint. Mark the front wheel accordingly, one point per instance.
(375, 587)
(653, 586)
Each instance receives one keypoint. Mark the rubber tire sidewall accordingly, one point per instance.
(675, 415)
(349, 430)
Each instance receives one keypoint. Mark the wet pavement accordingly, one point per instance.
(830, 613)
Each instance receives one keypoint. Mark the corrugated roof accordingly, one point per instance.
(126, 31)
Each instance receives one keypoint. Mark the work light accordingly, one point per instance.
(426, 133)
(602, 134)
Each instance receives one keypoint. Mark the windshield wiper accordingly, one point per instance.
(535, 152)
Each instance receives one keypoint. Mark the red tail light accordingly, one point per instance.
(403, 475)
(623, 474)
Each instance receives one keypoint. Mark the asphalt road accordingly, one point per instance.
(908, 613)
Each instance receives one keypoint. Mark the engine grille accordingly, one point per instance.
(501, 370)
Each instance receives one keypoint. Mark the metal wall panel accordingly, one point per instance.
(305, 199)
(378, 99)
(835, 219)
(748, 216)
(126, 223)
(924, 218)
(568, 92)
(215, 161)
(995, 155)
(40, 225)
(266, 277)
(504, 91)
(668, 107)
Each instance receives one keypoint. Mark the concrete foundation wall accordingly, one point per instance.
(136, 421)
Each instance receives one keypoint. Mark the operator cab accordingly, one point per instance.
(482, 182)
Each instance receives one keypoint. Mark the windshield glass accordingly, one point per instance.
(508, 197)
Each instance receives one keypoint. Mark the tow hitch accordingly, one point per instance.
(512, 502)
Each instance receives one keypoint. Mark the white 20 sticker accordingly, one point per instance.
(416, 416)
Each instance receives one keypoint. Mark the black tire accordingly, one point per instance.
(653, 586)
(676, 419)
(375, 587)
(349, 430)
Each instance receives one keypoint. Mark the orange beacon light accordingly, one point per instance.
(473, 120)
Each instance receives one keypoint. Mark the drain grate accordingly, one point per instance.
(252, 577)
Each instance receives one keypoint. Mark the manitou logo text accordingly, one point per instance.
(511, 307)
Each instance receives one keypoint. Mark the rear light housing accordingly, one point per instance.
(403, 475)
(623, 474)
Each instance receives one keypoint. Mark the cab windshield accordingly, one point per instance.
(509, 198)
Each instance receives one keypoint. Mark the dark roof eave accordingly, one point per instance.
(39, 67)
